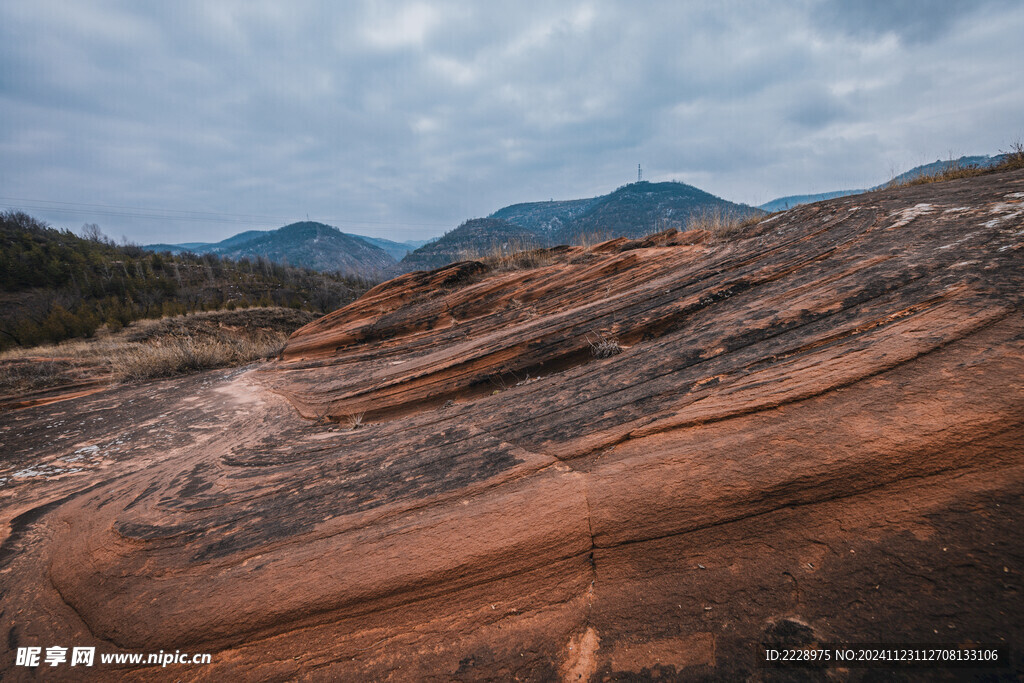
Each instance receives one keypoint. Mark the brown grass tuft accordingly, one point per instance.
(355, 420)
(722, 225)
(153, 348)
(603, 347)
(181, 355)
(25, 374)
(512, 255)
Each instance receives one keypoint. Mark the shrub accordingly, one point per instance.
(179, 355)
(604, 348)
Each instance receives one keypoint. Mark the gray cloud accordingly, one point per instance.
(911, 20)
(402, 119)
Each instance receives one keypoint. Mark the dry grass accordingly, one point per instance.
(952, 172)
(722, 225)
(523, 260)
(1012, 161)
(511, 254)
(594, 237)
(603, 347)
(153, 348)
(79, 349)
(355, 420)
(21, 375)
(181, 355)
(496, 250)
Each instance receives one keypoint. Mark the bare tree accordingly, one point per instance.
(91, 231)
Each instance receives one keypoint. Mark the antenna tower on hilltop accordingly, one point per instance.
(639, 173)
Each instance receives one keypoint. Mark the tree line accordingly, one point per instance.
(56, 285)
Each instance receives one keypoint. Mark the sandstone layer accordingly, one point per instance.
(630, 461)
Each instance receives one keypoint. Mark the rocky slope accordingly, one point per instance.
(811, 431)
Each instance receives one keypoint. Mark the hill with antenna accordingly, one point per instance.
(633, 210)
(643, 207)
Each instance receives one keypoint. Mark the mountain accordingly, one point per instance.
(641, 208)
(783, 203)
(397, 250)
(192, 247)
(55, 285)
(238, 240)
(307, 244)
(473, 239)
(311, 245)
(545, 218)
(209, 247)
(633, 210)
(937, 166)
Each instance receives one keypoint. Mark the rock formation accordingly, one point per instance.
(638, 459)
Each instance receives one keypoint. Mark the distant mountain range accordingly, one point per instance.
(398, 250)
(55, 285)
(309, 245)
(938, 165)
(633, 210)
(783, 203)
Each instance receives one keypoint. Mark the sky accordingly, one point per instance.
(193, 121)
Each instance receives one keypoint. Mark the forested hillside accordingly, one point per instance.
(307, 244)
(642, 208)
(55, 285)
(475, 238)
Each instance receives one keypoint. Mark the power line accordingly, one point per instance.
(133, 208)
(94, 212)
(119, 211)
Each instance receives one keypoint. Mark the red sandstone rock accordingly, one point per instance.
(812, 428)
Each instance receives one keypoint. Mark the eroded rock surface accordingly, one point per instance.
(814, 427)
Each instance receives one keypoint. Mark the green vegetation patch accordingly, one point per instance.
(55, 285)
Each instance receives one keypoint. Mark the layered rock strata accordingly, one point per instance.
(636, 459)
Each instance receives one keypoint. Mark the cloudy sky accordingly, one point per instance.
(192, 121)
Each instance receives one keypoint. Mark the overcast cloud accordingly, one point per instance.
(402, 119)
